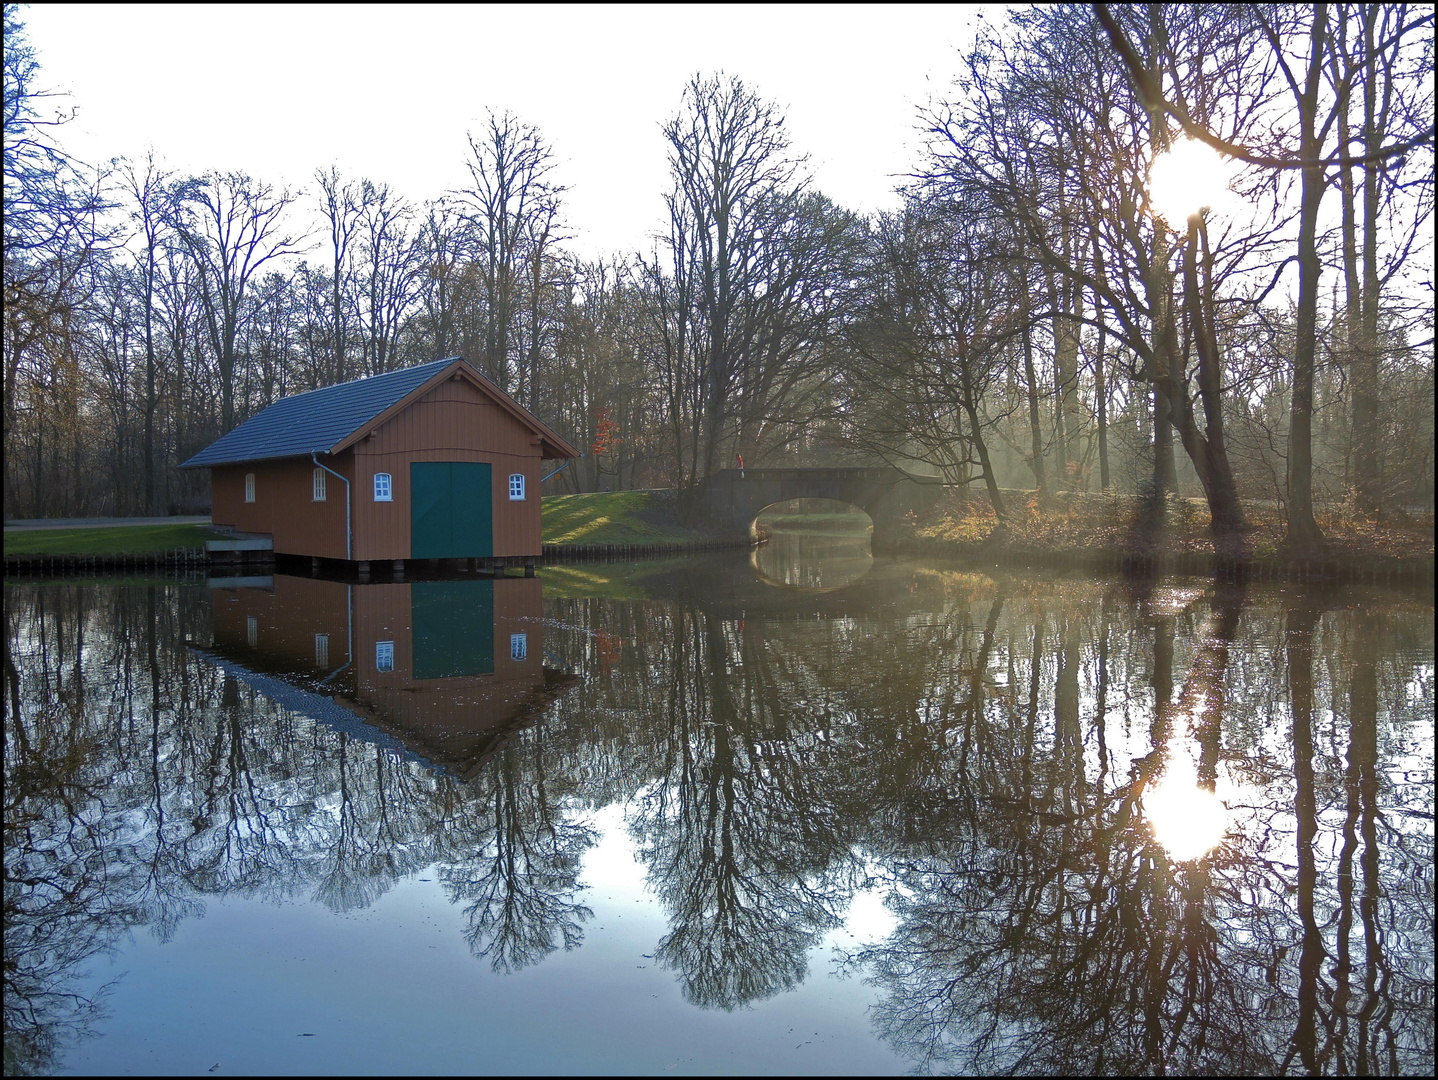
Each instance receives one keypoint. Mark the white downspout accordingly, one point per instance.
(349, 633)
(349, 556)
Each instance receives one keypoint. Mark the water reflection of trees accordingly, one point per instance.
(980, 747)
(140, 781)
(746, 847)
(517, 870)
(1047, 932)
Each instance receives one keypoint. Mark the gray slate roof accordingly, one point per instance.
(303, 424)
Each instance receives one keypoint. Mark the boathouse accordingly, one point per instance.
(429, 462)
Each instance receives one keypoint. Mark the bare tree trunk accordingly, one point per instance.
(991, 484)
(1365, 357)
(1100, 377)
(1352, 315)
(1036, 460)
(1165, 350)
(1225, 511)
(1304, 535)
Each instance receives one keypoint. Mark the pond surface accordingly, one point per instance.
(800, 811)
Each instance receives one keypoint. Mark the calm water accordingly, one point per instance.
(800, 812)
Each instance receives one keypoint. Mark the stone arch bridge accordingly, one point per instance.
(732, 498)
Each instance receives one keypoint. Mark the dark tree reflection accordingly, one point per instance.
(744, 846)
(516, 864)
(61, 908)
(1052, 933)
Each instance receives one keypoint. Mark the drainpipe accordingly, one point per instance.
(349, 633)
(349, 557)
(561, 468)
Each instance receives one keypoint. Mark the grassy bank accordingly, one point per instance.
(1086, 522)
(618, 517)
(621, 517)
(106, 540)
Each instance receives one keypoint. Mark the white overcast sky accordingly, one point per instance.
(388, 92)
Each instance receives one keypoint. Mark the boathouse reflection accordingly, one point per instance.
(445, 671)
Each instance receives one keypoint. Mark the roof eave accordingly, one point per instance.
(192, 464)
(556, 448)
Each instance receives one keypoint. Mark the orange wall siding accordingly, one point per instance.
(284, 505)
(453, 422)
(287, 618)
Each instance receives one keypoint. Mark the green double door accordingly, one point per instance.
(451, 510)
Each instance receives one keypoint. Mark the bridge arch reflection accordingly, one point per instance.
(814, 545)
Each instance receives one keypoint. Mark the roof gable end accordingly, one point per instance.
(552, 445)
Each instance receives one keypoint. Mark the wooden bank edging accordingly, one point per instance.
(177, 561)
(561, 553)
(1374, 570)
(197, 560)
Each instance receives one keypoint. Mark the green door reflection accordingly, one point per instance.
(453, 628)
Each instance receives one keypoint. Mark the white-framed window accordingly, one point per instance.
(384, 655)
(319, 485)
(383, 487)
(516, 487)
(252, 631)
(249, 487)
(322, 651)
(518, 646)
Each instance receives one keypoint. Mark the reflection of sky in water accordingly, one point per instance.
(384, 990)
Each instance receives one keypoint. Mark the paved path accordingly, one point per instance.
(91, 523)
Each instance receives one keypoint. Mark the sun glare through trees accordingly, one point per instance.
(1188, 177)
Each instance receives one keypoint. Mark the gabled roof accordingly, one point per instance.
(327, 420)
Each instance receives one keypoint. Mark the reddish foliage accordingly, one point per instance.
(606, 432)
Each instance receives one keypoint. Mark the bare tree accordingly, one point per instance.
(232, 225)
(53, 227)
(149, 192)
(1270, 37)
(1381, 51)
(745, 287)
(341, 203)
(512, 208)
(392, 273)
(944, 306)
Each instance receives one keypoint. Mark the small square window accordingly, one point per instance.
(516, 487)
(249, 487)
(384, 655)
(322, 651)
(319, 485)
(383, 492)
(518, 646)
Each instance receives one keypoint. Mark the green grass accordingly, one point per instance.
(619, 517)
(106, 540)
